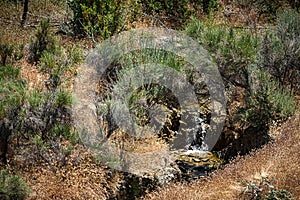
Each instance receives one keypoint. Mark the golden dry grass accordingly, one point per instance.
(77, 177)
(279, 160)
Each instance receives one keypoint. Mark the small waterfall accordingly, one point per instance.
(196, 161)
(199, 134)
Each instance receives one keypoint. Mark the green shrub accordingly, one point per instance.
(5, 52)
(75, 54)
(57, 62)
(223, 41)
(267, 6)
(47, 110)
(43, 40)
(43, 111)
(268, 101)
(35, 98)
(143, 96)
(12, 91)
(237, 51)
(12, 186)
(280, 53)
(164, 58)
(65, 131)
(55, 66)
(9, 72)
(12, 95)
(36, 113)
(48, 61)
(31, 113)
(233, 50)
(208, 5)
(263, 189)
(12, 98)
(63, 98)
(10, 52)
(102, 17)
(41, 144)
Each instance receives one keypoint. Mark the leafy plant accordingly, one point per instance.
(233, 50)
(63, 98)
(10, 51)
(40, 143)
(268, 101)
(57, 63)
(12, 186)
(43, 40)
(102, 17)
(43, 111)
(167, 59)
(12, 98)
(49, 111)
(5, 51)
(75, 54)
(55, 66)
(263, 189)
(141, 96)
(36, 112)
(280, 53)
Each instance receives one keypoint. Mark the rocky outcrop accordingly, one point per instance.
(196, 163)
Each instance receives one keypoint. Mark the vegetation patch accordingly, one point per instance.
(259, 64)
(263, 189)
(12, 186)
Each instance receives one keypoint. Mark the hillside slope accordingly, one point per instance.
(278, 160)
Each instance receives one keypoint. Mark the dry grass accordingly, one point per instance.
(143, 145)
(10, 19)
(76, 176)
(279, 160)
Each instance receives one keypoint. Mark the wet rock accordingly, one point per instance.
(197, 163)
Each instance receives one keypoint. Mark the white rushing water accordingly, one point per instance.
(202, 126)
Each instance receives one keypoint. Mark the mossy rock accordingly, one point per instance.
(194, 164)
